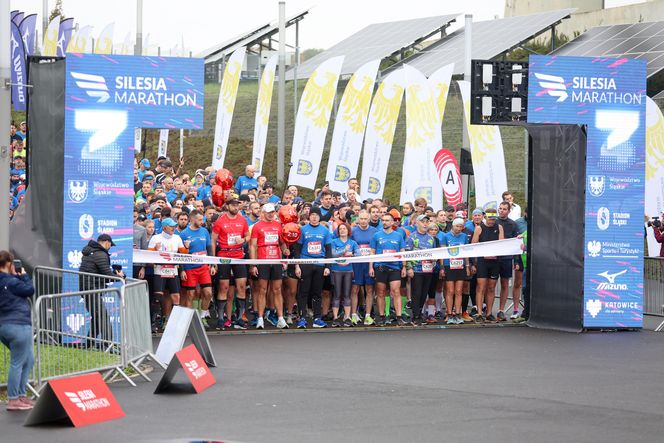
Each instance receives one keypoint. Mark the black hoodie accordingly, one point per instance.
(96, 260)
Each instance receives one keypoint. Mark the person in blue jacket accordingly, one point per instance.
(342, 273)
(16, 330)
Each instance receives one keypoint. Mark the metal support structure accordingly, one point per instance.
(553, 38)
(138, 48)
(295, 65)
(5, 120)
(281, 108)
(466, 76)
(44, 21)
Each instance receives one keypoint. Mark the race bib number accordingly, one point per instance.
(234, 239)
(456, 263)
(427, 265)
(314, 247)
(166, 271)
(272, 252)
(271, 238)
(365, 250)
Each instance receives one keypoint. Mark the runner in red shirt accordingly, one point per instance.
(229, 235)
(265, 244)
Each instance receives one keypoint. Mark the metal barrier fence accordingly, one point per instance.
(86, 323)
(653, 288)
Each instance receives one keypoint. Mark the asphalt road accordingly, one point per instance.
(474, 384)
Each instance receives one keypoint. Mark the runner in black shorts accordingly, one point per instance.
(487, 268)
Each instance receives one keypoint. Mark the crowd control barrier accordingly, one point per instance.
(653, 288)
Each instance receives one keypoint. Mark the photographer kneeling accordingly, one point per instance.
(658, 230)
(16, 329)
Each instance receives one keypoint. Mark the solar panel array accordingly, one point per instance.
(490, 39)
(376, 41)
(644, 41)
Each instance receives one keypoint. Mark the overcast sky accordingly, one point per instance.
(204, 23)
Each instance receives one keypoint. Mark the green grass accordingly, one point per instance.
(58, 360)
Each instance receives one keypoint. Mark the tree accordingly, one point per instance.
(309, 53)
(57, 11)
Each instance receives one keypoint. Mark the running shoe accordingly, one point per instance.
(368, 321)
(458, 320)
(431, 320)
(17, 405)
(473, 312)
(205, 322)
(381, 321)
(220, 325)
(260, 324)
(335, 323)
(520, 319)
(354, 319)
(318, 323)
(409, 305)
(490, 318)
(401, 321)
(501, 316)
(240, 324)
(348, 323)
(514, 315)
(465, 317)
(281, 323)
(302, 324)
(480, 319)
(227, 323)
(388, 321)
(450, 320)
(271, 318)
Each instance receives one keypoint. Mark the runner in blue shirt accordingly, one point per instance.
(342, 274)
(420, 271)
(362, 234)
(388, 273)
(315, 242)
(246, 182)
(201, 275)
(457, 271)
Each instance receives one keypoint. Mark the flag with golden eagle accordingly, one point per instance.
(263, 112)
(313, 117)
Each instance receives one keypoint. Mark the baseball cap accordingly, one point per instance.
(395, 213)
(478, 211)
(449, 208)
(457, 221)
(314, 210)
(268, 185)
(491, 213)
(169, 222)
(105, 237)
(422, 217)
(268, 207)
(147, 177)
(244, 198)
(145, 162)
(233, 201)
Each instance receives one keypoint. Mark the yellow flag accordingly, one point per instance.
(104, 44)
(50, 46)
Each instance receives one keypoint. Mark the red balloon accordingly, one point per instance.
(217, 194)
(291, 233)
(288, 214)
(224, 178)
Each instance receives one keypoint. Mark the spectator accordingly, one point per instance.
(246, 181)
(16, 330)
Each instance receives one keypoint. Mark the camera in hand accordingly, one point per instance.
(655, 223)
(117, 268)
(18, 266)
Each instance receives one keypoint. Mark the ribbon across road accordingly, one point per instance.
(496, 248)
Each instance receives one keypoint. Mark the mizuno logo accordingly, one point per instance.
(554, 85)
(612, 277)
(94, 85)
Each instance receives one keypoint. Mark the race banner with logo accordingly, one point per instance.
(162, 151)
(423, 138)
(28, 27)
(512, 246)
(263, 105)
(313, 118)
(609, 96)
(104, 43)
(349, 127)
(18, 71)
(654, 204)
(50, 45)
(448, 173)
(486, 149)
(81, 41)
(380, 133)
(226, 105)
(64, 36)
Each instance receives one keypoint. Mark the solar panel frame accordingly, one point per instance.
(644, 41)
(375, 41)
(485, 46)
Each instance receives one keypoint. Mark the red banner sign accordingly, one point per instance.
(194, 366)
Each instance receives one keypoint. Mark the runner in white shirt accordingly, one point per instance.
(515, 209)
(166, 278)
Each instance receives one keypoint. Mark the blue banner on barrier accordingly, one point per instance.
(609, 96)
(107, 96)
